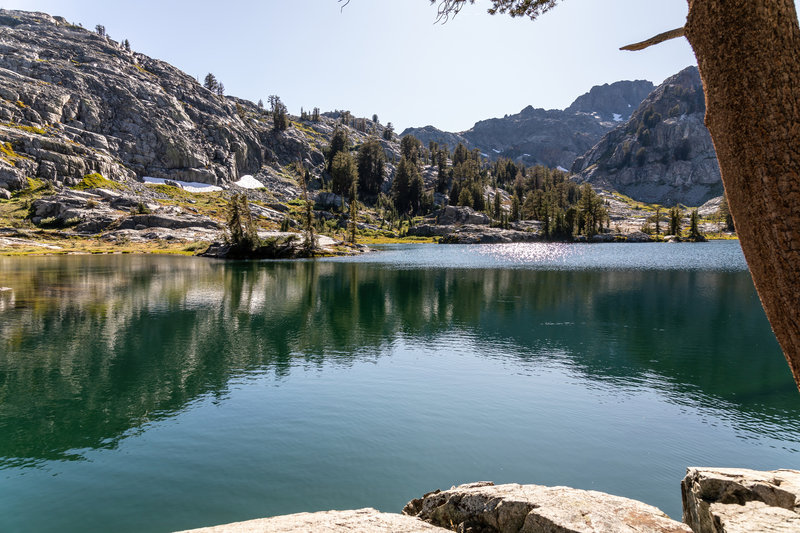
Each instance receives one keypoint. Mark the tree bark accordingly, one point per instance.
(748, 52)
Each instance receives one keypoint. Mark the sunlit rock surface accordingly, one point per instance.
(358, 521)
(484, 507)
(735, 500)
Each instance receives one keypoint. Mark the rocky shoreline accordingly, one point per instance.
(463, 225)
(715, 500)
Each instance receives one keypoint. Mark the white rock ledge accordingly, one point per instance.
(358, 521)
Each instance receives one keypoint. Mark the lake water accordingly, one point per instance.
(145, 393)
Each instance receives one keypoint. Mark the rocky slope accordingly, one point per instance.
(664, 153)
(548, 137)
(73, 102)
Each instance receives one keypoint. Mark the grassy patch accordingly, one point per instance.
(91, 245)
(377, 239)
(634, 203)
(29, 129)
(97, 181)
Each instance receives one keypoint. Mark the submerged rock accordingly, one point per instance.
(735, 500)
(486, 508)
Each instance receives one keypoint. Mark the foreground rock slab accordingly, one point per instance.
(735, 500)
(358, 521)
(486, 508)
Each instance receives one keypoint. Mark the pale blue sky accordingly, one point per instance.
(389, 57)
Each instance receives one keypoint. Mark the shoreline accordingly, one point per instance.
(47, 245)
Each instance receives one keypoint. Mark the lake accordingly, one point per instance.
(153, 393)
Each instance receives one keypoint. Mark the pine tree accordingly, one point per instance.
(675, 221)
(210, 82)
(371, 162)
(388, 132)
(126, 45)
(339, 143)
(353, 223)
(242, 232)
(460, 155)
(515, 207)
(694, 227)
(308, 208)
(407, 187)
(343, 173)
(101, 30)
(280, 119)
(591, 210)
(409, 147)
(658, 220)
(465, 197)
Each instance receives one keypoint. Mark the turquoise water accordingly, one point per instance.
(144, 393)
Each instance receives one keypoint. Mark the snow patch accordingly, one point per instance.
(248, 182)
(190, 186)
(527, 155)
(562, 169)
(495, 150)
(617, 117)
(484, 155)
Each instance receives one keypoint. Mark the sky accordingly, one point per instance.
(390, 57)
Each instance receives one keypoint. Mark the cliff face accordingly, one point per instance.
(664, 153)
(79, 102)
(74, 102)
(548, 137)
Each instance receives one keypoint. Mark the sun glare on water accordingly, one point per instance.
(530, 253)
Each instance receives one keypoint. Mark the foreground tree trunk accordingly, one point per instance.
(748, 52)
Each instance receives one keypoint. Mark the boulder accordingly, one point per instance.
(358, 521)
(429, 230)
(734, 500)
(638, 236)
(469, 234)
(12, 178)
(450, 215)
(5, 194)
(486, 508)
(327, 200)
(168, 222)
(603, 237)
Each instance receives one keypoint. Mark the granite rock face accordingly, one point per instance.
(358, 521)
(73, 102)
(486, 508)
(733, 500)
(664, 153)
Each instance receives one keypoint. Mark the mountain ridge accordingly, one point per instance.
(550, 137)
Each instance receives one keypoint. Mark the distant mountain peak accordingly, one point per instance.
(612, 102)
(550, 137)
